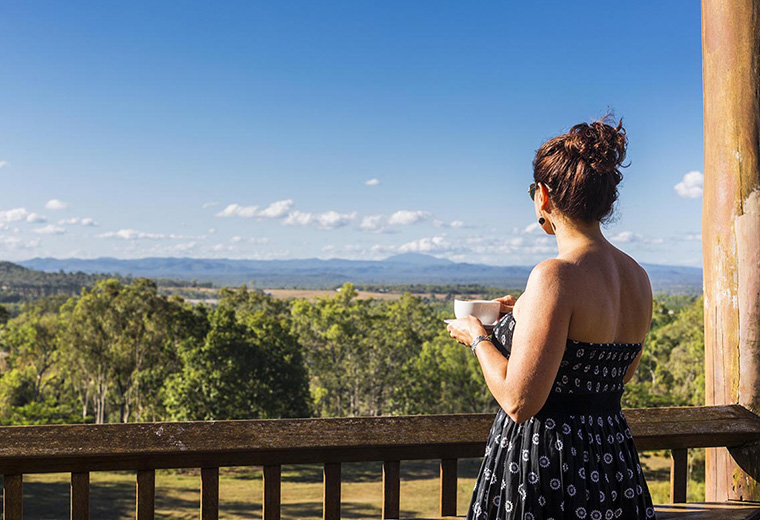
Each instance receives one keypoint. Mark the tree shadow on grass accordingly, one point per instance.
(299, 510)
(50, 500)
(108, 500)
(355, 472)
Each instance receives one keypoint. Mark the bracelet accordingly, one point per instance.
(476, 341)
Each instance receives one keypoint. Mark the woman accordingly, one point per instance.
(557, 360)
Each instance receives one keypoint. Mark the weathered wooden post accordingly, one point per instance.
(731, 230)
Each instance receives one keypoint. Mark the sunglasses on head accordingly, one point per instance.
(532, 189)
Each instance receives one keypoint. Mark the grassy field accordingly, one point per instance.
(112, 494)
(311, 294)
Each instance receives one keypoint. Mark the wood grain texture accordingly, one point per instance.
(80, 496)
(13, 497)
(678, 475)
(146, 494)
(331, 491)
(272, 496)
(448, 487)
(731, 226)
(209, 493)
(144, 446)
(391, 488)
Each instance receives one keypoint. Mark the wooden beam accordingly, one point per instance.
(731, 228)
(142, 446)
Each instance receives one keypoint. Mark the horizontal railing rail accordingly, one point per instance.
(209, 445)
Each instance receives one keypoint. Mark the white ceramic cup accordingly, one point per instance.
(487, 311)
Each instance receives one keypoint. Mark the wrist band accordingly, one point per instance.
(476, 341)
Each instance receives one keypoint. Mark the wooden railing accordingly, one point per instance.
(145, 447)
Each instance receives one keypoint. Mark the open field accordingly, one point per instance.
(112, 494)
(311, 294)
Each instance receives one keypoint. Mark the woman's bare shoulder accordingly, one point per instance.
(555, 276)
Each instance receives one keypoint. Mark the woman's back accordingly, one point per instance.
(609, 293)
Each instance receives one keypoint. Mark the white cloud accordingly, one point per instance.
(693, 237)
(276, 209)
(372, 182)
(14, 215)
(210, 204)
(87, 222)
(426, 245)
(404, 217)
(627, 236)
(690, 186)
(326, 220)
(236, 210)
(3, 164)
(333, 219)
(373, 223)
(35, 217)
(532, 228)
(455, 224)
(298, 218)
(50, 229)
(11, 243)
(132, 234)
(55, 204)
(631, 237)
(236, 239)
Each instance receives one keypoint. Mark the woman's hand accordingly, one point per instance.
(466, 329)
(507, 303)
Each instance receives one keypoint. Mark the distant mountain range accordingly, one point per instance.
(312, 273)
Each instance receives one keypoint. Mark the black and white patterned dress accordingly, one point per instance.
(575, 459)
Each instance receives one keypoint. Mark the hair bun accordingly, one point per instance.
(600, 144)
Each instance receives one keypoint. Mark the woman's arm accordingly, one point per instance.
(522, 384)
(539, 340)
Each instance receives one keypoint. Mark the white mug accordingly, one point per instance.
(487, 311)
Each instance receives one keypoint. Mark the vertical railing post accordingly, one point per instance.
(331, 495)
(448, 487)
(391, 488)
(80, 496)
(209, 493)
(146, 494)
(272, 498)
(13, 497)
(678, 475)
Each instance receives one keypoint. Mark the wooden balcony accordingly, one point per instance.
(145, 447)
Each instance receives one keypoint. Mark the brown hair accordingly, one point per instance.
(581, 168)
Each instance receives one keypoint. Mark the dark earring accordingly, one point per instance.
(541, 221)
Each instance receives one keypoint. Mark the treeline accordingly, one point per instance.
(450, 291)
(125, 352)
(18, 283)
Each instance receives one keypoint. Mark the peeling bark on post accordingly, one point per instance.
(731, 229)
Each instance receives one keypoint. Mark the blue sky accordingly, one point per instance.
(336, 129)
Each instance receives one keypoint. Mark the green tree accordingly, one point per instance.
(248, 366)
